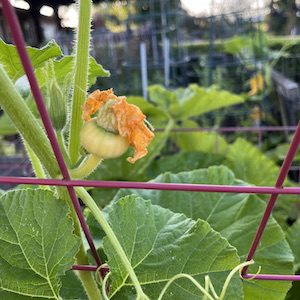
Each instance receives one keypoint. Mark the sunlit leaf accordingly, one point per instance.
(236, 217)
(10, 60)
(37, 244)
(161, 244)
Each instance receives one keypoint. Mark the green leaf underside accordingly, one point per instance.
(161, 244)
(236, 217)
(10, 60)
(196, 100)
(251, 165)
(208, 142)
(186, 161)
(36, 243)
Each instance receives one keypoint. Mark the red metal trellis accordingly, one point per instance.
(70, 184)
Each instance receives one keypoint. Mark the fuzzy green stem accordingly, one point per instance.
(104, 293)
(81, 77)
(90, 203)
(87, 167)
(231, 274)
(26, 123)
(62, 146)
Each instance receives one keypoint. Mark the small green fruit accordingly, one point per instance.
(96, 140)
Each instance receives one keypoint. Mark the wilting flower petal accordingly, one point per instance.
(132, 126)
(94, 101)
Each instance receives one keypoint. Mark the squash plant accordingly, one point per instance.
(154, 245)
(169, 109)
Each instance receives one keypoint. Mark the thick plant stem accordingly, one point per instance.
(87, 167)
(26, 123)
(90, 203)
(81, 77)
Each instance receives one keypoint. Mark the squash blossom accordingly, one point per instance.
(256, 84)
(117, 126)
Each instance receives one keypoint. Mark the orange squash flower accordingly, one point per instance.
(256, 84)
(128, 117)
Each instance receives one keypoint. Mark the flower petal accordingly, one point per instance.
(94, 101)
(131, 125)
(256, 84)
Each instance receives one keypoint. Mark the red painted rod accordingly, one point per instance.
(280, 180)
(272, 277)
(211, 188)
(234, 129)
(13, 23)
(85, 268)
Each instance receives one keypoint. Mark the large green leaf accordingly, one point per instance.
(183, 161)
(162, 97)
(250, 164)
(236, 217)
(208, 142)
(194, 100)
(161, 244)
(37, 244)
(10, 60)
